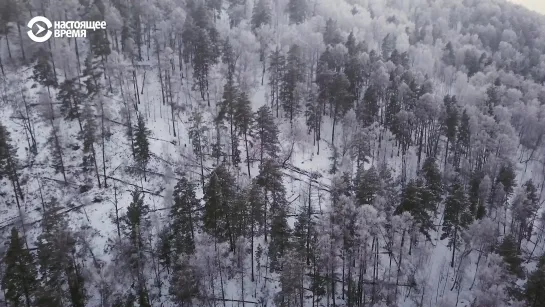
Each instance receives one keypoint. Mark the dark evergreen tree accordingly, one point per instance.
(434, 187)
(525, 207)
(136, 223)
(448, 55)
(261, 14)
(91, 76)
(388, 45)
(533, 292)
(142, 152)
(332, 35)
(58, 266)
(43, 72)
(369, 108)
(70, 98)
(508, 250)
(270, 180)
(277, 63)
(228, 58)
(367, 185)
(507, 178)
(257, 206)
(354, 67)
(492, 98)
(266, 133)
(219, 206)
(165, 249)
(280, 234)
(20, 277)
(411, 201)
(450, 125)
(98, 39)
(183, 217)
(89, 138)
(188, 38)
(340, 99)
(244, 122)
(297, 10)
(290, 95)
(464, 137)
(457, 216)
(203, 59)
(9, 164)
(197, 135)
(184, 283)
(471, 62)
(475, 205)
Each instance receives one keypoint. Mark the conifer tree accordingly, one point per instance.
(508, 250)
(91, 76)
(20, 277)
(261, 14)
(507, 178)
(9, 164)
(448, 54)
(70, 98)
(219, 204)
(411, 201)
(256, 203)
(183, 219)
(228, 110)
(367, 186)
(533, 292)
(266, 133)
(43, 72)
(89, 139)
(388, 45)
(433, 192)
(136, 223)
(451, 122)
(58, 265)
(198, 136)
(244, 119)
(141, 145)
(277, 65)
(290, 95)
(464, 136)
(184, 283)
(457, 216)
(205, 55)
(369, 107)
(280, 234)
(297, 10)
(525, 207)
(332, 35)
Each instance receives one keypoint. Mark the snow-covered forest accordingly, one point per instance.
(286, 153)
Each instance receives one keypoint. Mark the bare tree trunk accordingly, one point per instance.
(103, 141)
(21, 41)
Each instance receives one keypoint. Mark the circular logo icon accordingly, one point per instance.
(40, 29)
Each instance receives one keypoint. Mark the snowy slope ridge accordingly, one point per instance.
(273, 153)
